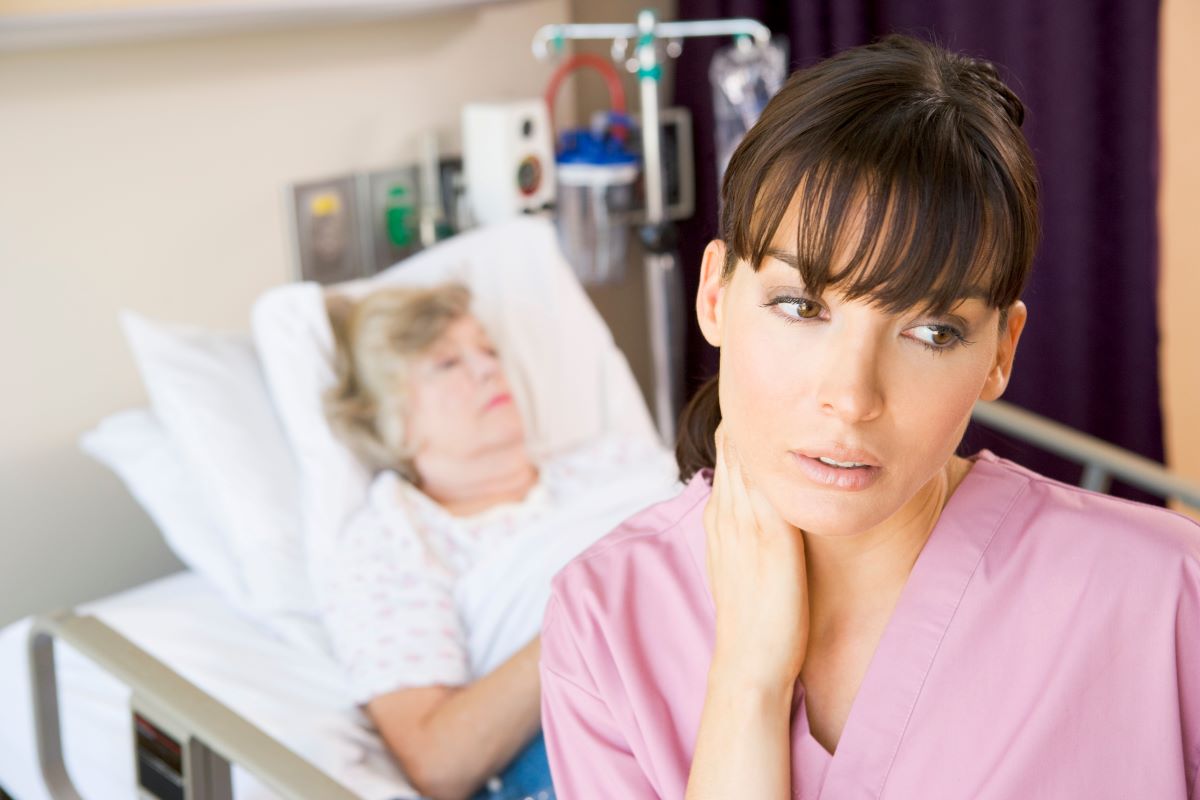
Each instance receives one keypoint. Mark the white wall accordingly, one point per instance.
(150, 176)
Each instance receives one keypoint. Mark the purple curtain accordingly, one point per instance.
(1088, 74)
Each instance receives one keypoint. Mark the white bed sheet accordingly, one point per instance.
(301, 701)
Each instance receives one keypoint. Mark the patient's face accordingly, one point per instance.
(804, 377)
(459, 403)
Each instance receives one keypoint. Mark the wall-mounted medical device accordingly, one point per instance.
(351, 226)
(508, 159)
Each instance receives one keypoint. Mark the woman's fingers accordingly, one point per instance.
(733, 481)
(770, 521)
(738, 496)
(755, 567)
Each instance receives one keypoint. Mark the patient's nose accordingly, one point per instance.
(483, 364)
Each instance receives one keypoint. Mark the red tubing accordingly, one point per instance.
(616, 92)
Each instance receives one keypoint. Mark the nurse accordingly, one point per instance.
(837, 605)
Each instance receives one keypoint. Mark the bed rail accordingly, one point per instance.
(202, 736)
(1102, 462)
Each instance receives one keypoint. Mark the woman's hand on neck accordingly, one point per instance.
(468, 483)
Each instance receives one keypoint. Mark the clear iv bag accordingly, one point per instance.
(744, 77)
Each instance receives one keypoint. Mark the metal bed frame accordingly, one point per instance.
(1102, 462)
(209, 736)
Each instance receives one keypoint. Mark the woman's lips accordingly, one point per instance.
(851, 479)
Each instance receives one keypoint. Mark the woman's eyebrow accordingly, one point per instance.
(964, 294)
(784, 256)
(971, 293)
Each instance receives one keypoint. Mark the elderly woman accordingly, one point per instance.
(839, 606)
(422, 397)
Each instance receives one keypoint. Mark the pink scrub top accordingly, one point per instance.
(1046, 645)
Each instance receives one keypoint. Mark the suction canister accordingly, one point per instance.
(596, 176)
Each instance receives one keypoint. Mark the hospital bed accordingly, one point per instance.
(178, 685)
(228, 661)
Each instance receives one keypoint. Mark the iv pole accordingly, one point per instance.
(664, 291)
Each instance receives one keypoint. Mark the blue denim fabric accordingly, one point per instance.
(527, 777)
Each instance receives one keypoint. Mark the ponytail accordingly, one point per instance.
(696, 447)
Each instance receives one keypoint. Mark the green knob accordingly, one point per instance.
(399, 217)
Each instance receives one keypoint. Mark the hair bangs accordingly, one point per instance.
(905, 229)
(908, 191)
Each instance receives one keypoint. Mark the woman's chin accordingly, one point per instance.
(828, 511)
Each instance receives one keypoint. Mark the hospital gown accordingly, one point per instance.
(391, 583)
(1046, 645)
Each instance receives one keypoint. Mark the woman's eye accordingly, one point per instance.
(447, 363)
(937, 337)
(798, 308)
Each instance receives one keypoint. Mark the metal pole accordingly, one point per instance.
(661, 268)
(664, 289)
(648, 74)
(554, 34)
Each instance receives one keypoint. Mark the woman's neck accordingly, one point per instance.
(465, 485)
(853, 578)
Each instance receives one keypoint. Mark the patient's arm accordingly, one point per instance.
(449, 740)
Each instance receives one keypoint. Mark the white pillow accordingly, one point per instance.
(208, 391)
(570, 381)
(134, 445)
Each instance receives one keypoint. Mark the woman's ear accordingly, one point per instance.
(708, 295)
(1006, 351)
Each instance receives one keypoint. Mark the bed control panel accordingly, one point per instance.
(173, 765)
(159, 761)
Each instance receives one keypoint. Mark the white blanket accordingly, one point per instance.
(502, 599)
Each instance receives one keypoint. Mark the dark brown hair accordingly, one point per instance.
(920, 146)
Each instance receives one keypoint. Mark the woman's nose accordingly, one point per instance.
(849, 387)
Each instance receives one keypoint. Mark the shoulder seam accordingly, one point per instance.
(552, 671)
(1035, 478)
(606, 546)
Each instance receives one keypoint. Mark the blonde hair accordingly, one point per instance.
(376, 340)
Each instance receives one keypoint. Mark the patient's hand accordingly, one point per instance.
(450, 739)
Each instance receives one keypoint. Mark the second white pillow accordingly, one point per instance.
(208, 391)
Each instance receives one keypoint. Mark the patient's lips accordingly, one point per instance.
(497, 400)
